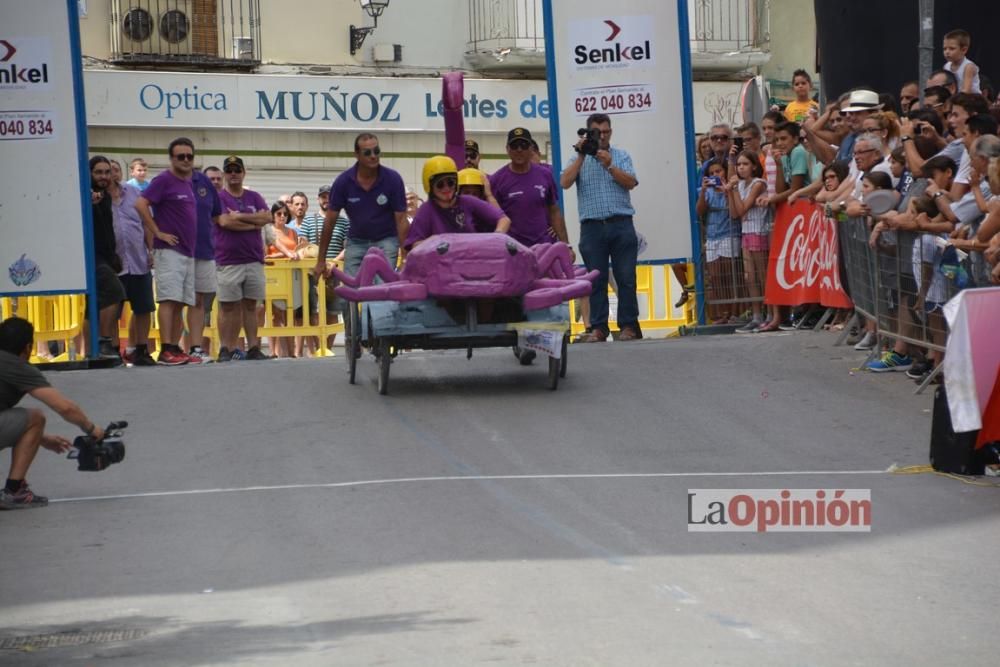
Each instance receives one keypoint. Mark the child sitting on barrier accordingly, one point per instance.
(722, 243)
(742, 192)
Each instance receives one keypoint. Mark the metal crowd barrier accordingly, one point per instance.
(900, 284)
(729, 288)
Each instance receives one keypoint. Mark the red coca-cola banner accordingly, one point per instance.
(803, 265)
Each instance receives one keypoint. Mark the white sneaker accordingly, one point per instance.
(867, 342)
(199, 356)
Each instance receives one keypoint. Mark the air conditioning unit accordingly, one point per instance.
(242, 48)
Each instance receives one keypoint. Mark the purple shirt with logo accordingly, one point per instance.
(232, 247)
(371, 212)
(130, 236)
(431, 219)
(209, 206)
(526, 199)
(174, 211)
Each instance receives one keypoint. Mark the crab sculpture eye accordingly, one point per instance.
(511, 248)
(442, 248)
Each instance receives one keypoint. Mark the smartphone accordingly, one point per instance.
(715, 180)
(738, 143)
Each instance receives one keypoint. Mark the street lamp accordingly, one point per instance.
(374, 9)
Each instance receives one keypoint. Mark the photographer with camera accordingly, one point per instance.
(604, 176)
(23, 429)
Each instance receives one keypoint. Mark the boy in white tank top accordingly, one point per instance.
(956, 46)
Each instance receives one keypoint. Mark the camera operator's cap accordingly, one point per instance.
(471, 145)
(324, 190)
(231, 160)
(518, 133)
(862, 100)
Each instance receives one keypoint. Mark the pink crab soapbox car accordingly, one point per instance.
(447, 282)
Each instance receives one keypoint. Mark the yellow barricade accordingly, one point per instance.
(287, 282)
(56, 318)
(649, 281)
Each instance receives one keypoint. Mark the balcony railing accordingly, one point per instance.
(506, 34)
(196, 33)
(724, 34)
(724, 26)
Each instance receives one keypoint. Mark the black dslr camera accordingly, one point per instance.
(592, 141)
(94, 454)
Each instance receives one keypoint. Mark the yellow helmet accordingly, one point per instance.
(435, 166)
(470, 176)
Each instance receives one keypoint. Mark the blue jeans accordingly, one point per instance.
(615, 240)
(356, 249)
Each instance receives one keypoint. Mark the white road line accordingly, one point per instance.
(471, 478)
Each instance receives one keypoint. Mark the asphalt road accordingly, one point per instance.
(270, 513)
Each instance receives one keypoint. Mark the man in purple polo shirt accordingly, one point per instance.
(174, 229)
(527, 193)
(447, 212)
(374, 198)
(239, 259)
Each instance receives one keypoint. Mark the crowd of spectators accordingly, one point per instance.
(933, 147)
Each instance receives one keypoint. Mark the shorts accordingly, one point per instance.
(109, 289)
(241, 281)
(204, 276)
(725, 247)
(173, 275)
(13, 424)
(755, 242)
(139, 292)
(330, 297)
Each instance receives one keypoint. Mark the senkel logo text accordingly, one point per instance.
(24, 63)
(779, 510)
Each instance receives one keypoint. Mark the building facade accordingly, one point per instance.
(278, 83)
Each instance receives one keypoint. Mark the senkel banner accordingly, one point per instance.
(803, 266)
(629, 61)
(44, 192)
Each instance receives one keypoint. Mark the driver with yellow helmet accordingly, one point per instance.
(448, 212)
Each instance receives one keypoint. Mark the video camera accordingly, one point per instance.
(94, 454)
(592, 142)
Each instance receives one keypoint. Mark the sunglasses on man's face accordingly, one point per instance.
(519, 145)
(720, 137)
(368, 152)
(447, 183)
(183, 157)
(234, 170)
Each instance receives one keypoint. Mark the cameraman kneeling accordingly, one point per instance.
(23, 429)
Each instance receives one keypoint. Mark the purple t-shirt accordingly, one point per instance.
(526, 199)
(232, 247)
(207, 200)
(174, 211)
(371, 212)
(431, 219)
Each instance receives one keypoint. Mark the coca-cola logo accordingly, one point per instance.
(809, 253)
